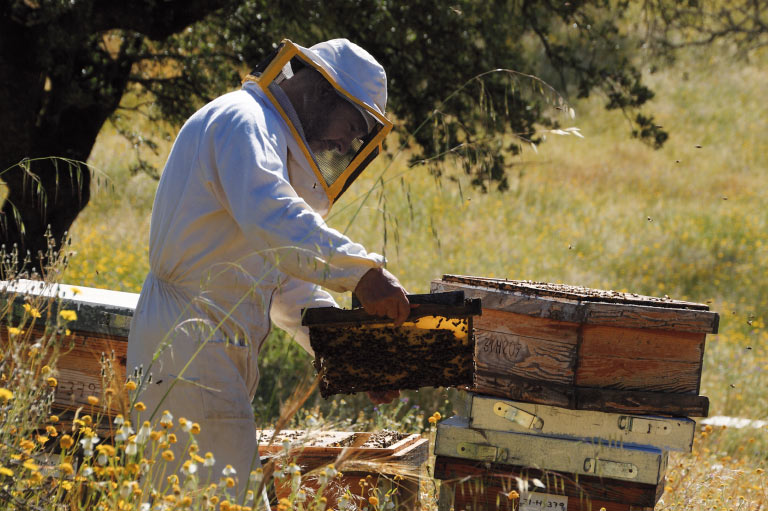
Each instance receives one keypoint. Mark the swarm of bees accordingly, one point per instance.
(357, 358)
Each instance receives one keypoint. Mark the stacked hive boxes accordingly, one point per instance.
(578, 397)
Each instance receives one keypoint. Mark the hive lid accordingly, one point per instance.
(572, 293)
(101, 311)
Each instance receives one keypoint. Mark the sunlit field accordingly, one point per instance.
(688, 221)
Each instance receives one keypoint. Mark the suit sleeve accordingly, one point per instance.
(287, 302)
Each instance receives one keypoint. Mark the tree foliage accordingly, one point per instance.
(70, 66)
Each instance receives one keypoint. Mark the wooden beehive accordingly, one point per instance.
(587, 349)
(99, 333)
(470, 485)
(356, 352)
(366, 458)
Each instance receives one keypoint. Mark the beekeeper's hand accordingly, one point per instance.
(381, 294)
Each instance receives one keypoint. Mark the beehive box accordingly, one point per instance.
(477, 486)
(356, 351)
(626, 462)
(386, 459)
(498, 414)
(99, 333)
(587, 349)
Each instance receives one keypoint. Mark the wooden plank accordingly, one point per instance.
(524, 389)
(582, 398)
(635, 316)
(79, 367)
(631, 462)
(493, 413)
(520, 304)
(527, 357)
(528, 326)
(638, 374)
(526, 346)
(677, 405)
(641, 343)
(503, 477)
(569, 292)
(651, 317)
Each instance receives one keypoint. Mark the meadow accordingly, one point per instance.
(605, 211)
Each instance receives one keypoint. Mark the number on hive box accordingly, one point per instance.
(543, 502)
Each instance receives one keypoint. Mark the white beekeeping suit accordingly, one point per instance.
(237, 236)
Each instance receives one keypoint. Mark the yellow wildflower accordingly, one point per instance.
(30, 465)
(53, 418)
(15, 331)
(6, 471)
(66, 468)
(140, 406)
(68, 315)
(6, 395)
(130, 385)
(172, 438)
(51, 430)
(75, 290)
(225, 506)
(374, 501)
(52, 382)
(195, 429)
(230, 483)
(42, 439)
(93, 400)
(512, 495)
(66, 442)
(168, 455)
(31, 310)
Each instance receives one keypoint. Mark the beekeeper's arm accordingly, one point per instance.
(252, 183)
(290, 297)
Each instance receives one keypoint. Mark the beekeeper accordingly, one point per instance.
(238, 237)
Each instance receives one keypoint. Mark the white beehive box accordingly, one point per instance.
(498, 414)
(628, 462)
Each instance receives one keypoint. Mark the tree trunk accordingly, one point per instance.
(60, 84)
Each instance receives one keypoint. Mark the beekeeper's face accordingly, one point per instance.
(330, 122)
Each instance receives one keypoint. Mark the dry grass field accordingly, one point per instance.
(689, 221)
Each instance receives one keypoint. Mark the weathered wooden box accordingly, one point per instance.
(391, 463)
(627, 462)
(478, 486)
(586, 349)
(99, 333)
(498, 414)
(355, 351)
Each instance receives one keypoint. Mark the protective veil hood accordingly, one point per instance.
(357, 78)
